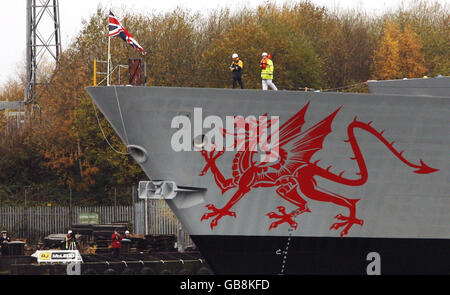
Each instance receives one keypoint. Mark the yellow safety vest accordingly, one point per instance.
(267, 73)
(240, 64)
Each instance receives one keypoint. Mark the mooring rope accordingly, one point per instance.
(103, 132)
(121, 117)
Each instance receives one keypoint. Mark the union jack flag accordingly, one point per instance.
(117, 30)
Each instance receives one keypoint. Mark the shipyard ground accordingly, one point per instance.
(170, 263)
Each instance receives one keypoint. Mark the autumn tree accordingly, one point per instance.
(348, 50)
(387, 63)
(411, 56)
(430, 21)
(399, 54)
(104, 158)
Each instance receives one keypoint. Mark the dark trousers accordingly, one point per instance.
(236, 80)
(116, 252)
(5, 250)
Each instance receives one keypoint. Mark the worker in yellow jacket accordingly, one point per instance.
(236, 69)
(267, 69)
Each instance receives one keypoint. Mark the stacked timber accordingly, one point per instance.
(160, 243)
(98, 236)
(54, 241)
(82, 229)
(101, 235)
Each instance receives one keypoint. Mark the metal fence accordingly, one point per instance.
(155, 217)
(34, 223)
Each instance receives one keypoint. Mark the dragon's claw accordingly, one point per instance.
(294, 225)
(285, 217)
(207, 166)
(217, 213)
(347, 224)
(344, 232)
(281, 209)
(213, 224)
(337, 225)
(220, 153)
(210, 159)
(341, 217)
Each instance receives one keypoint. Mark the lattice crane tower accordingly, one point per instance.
(43, 38)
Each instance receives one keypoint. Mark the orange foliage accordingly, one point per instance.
(387, 55)
(399, 54)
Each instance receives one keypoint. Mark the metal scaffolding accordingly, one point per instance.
(43, 37)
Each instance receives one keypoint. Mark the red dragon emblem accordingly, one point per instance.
(293, 175)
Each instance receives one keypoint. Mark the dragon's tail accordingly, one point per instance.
(421, 168)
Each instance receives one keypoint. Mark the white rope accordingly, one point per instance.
(103, 132)
(98, 120)
(121, 117)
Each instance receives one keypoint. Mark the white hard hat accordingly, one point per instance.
(127, 232)
(69, 232)
(234, 55)
(264, 54)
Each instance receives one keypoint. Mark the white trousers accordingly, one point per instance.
(266, 83)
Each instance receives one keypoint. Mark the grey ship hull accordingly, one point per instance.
(406, 215)
(419, 86)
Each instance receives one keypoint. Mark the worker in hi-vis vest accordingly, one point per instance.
(236, 70)
(267, 72)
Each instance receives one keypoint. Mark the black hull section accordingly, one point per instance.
(320, 255)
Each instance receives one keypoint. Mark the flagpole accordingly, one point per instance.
(109, 60)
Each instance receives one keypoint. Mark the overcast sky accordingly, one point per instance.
(12, 49)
